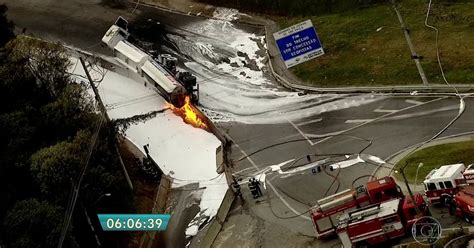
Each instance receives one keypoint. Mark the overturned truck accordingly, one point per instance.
(159, 70)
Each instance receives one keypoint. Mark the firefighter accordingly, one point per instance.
(257, 187)
(236, 187)
(253, 188)
(451, 204)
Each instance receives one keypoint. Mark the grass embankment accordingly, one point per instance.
(367, 47)
(436, 156)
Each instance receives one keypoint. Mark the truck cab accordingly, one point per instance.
(441, 184)
(409, 211)
(383, 189)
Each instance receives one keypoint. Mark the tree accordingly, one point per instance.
(57, 167)
(31, 223)
(46, 127)
(6, 26)
(73, 110)
(48, 62)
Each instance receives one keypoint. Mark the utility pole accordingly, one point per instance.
(409, 190)
(414, 56)
(104, 113)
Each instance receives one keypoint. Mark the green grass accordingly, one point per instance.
(436, 156)
(358, 55)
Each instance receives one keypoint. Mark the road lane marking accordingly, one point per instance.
(422, 113)
(385, 110)
(359, 121)
(309, 122)
(328, 136)
(301, 132)
(246, 169)
(273, 187)
(415, 102)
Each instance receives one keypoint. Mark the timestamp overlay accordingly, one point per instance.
(134, 222)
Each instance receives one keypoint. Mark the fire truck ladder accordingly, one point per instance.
(363, 212)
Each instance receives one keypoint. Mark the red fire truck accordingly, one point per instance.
(441, 184)
(464, 200)
(326, 213)
(378, 223)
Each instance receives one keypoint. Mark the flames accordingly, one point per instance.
(189, 114)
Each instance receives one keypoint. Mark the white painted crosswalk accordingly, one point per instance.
(414, 102)
(385, 110)
(359, 121)
(309, 122)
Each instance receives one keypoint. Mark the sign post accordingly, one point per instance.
(298, 43)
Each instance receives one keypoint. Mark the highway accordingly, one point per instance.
(391, 123)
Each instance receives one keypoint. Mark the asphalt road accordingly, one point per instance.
(391, 123)
(412, 120)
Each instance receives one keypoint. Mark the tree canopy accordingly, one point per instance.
(32, 223)
(47, 122)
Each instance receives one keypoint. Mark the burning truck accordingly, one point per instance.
(180, 89)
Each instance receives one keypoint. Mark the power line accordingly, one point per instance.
(310, 138)
(77, 186)
(284, 218)
(437, 46)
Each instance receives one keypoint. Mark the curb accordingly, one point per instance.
(374, 89)
(469, 230)
(399, 155)
(459, 240)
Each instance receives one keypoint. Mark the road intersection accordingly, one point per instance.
(390, 122)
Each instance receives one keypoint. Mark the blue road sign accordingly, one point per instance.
(298, 43)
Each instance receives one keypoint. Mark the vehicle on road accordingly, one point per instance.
(326, 213)
(378, 223)
(441, 184)
(159, 71)
(464, 202)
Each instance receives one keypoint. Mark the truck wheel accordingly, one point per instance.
(468, 218)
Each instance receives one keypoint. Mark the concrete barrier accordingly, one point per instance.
(206, 239)
(159, 206)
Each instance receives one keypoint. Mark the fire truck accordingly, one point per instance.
(464, 200)
(326, 213)
(441, 184)
(379, 222)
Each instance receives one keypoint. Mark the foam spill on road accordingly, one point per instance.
(235, 85)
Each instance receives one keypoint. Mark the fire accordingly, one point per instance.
(189, 114)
